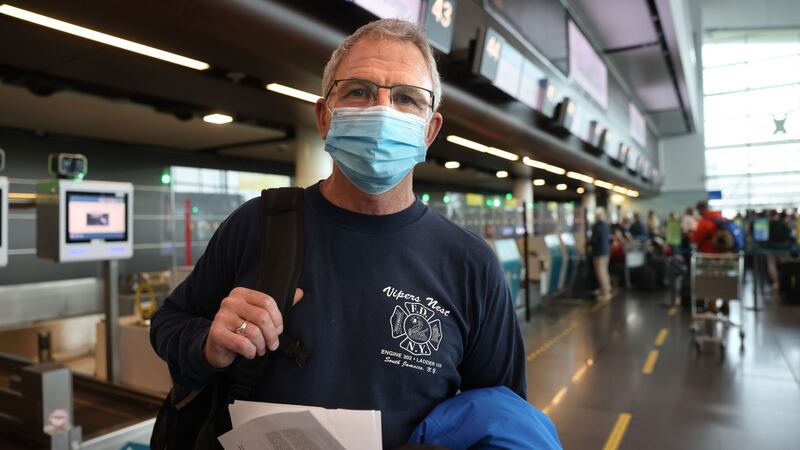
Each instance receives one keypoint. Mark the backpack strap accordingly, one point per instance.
(279, 274)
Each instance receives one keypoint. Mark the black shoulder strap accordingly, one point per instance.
(279, 274)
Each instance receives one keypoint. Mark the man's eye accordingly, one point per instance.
(357, 93)
(406, 100)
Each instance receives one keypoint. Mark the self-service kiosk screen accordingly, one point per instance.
(96, 216)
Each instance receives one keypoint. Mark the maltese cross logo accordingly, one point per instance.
(414, 326)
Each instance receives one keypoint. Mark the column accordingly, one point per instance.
(312, 163)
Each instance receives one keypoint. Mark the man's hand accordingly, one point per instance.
(264, 325)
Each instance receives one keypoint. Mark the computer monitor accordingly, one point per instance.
(84, 220)
(3, 221)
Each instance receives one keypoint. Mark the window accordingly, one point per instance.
(751, 82)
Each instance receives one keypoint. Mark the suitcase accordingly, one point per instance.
(789, 276)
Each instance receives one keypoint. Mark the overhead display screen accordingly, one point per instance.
(96, 216)
(637, 126)
(543, 23)
(530, 85)
(586, 67)
(436, 16)
(393, 9)
(500, 63)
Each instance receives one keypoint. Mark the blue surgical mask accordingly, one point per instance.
(375, 147)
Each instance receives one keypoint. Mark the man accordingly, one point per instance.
(780, 237)
(400, 308)
(688, 222)
(703, 235)
(637, 228)
(600, 243)
(653, 224)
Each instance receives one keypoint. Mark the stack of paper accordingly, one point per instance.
(259, 426)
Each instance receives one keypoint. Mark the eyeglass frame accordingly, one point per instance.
(379, 86)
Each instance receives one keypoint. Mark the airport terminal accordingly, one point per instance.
(366, 224)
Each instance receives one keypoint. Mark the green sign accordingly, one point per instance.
(674, 232)
(761, 230)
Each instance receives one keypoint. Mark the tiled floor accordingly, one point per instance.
(586, 365)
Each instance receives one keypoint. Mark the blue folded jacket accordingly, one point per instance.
(485, 418)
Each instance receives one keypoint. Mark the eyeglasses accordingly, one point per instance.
(356, 93)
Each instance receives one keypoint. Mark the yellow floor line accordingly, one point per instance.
(599, 306)
(543, 348)
(650, 363)
(662, 336)
(618, 432)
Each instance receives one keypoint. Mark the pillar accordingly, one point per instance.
(312, 163)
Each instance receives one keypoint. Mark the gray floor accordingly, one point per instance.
(585, 369)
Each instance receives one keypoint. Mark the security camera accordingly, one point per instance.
(68, 165)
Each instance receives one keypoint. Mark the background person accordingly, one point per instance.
(600, 243)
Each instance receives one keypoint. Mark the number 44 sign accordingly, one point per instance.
(439, 20)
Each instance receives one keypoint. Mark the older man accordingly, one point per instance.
(400, 307)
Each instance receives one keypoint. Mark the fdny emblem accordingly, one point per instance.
(414, 325)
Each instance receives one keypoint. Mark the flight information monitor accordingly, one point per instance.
(437, 16)
(96, 216)
(586, 67)
(633, 161)
(3, 221)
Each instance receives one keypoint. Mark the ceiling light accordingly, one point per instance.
(502, 174)
(102, 38)
(544, 166)
(538, 182)
(561, 187)
(620, 189)
(581, 177)
(633, 193)
(292, 92)
(452, 165)
(218, 119)
(603, 184)
(617, 199)
(502, 153)
(580, 190)
(482, 148)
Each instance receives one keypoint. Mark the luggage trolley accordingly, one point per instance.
(716, 277)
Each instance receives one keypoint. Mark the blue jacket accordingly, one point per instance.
(495, 418)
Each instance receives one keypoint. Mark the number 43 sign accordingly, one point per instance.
(439, 20)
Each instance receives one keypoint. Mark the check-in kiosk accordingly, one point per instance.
(570, 251)
(511, 261)
(3, 221)
(84, 220)
(551, 255)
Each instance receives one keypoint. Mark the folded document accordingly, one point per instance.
(270, 426)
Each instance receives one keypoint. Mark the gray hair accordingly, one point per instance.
(400, 30)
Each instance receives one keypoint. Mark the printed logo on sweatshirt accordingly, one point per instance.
(414, 324)
(416, 327)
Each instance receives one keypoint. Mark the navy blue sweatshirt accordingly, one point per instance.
(400, 312)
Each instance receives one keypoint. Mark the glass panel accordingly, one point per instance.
(752, 128)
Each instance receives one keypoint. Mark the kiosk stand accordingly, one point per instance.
(79, 221)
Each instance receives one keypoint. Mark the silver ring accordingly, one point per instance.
(242, 329)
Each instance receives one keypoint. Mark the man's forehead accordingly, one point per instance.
(385, 61)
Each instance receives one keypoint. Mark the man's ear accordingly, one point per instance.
(434, 125)
(323, 117)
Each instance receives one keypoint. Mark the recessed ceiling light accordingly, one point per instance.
(218, 119)
(538, 182)
(561, 187)
(544, 166)
(580, 190)
(452, 164)
(502, 174)
(292, 92)
(102, 38)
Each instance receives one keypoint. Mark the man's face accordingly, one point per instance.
(385, 62)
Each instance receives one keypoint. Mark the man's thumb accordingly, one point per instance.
(298, 295)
